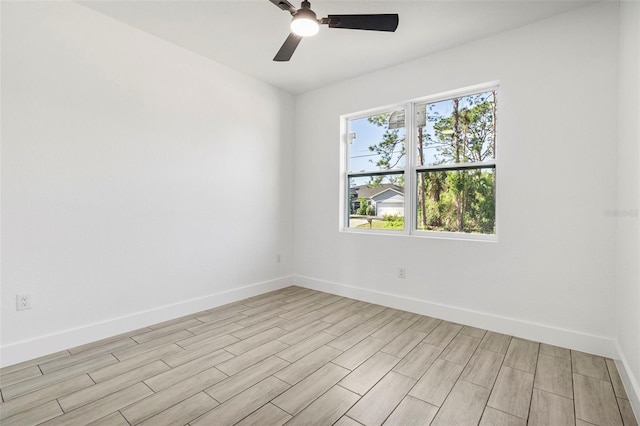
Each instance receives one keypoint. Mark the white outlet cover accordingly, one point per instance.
(23, 301)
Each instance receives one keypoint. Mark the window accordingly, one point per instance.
(376, 169)
(424, 168)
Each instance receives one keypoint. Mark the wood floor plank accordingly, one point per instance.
(208, 337)
(231, 386)
(555, 351)
(102, 407)
(352, 337)
(243, 404)
(346, 421)
(251, 330)
(370, 310)
(460, 349)
(254, 341)
(113, 419)
(443, 334)
(595, 401)
(549, 409)
(198, 351)
(186, 370)
(418, 361)
(46, 380)
(308, 318)
(163, 331)
(183, 412)
(306, 346)
(589, 365)
(369, 373)
(251, 357)
(340, 305)
(341, 327)
(404, 343)
(483, 368)
(130, 352)
(512, 392)
(102, 342)
(493, 417)
(478, 333)
(554, 375)
(309, 389)
(463, 407)
(174, 321)
(32, 362)
(35, 415)
(381, 319)
(304, 332)
(326, 409)
(271, 307)
(269, 414)
(65, 362)
(359, 353)
(304, 309)
(166, 398)
(434, 386)
(522, 355)
(237, 319)
(306, 365)
(44, 395)
(102, 389)
(616, 381)
(13, 377)
(381, 400)
(426, 324)
(145, 358)
(628, 418)
(340, 315)
(391, 330)
(495, 342)
(412, 412)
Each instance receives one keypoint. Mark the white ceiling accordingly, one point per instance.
(246, 34)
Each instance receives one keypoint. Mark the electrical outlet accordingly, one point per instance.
(278, 258)
(23, 301)
(402, 271)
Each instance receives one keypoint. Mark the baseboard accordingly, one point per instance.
(47, 344)
(576, 340)
(630, 381)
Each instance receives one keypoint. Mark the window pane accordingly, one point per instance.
(457, 201)
(376, 202)
(377, 142)
(459, 130)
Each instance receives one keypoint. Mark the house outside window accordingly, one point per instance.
(427, 167)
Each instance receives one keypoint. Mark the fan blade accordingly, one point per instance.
(288, 47)
(284, 5)
(380, 22)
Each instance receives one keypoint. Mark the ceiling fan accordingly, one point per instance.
(305, 23)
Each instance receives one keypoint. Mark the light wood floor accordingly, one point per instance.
(303, 357)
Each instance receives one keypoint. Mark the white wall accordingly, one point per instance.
(628, 227)
(550, 276)
(139, 181)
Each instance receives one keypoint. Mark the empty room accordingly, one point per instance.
(267, 212)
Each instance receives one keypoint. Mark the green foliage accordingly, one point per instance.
(362, 210)
(395, 222)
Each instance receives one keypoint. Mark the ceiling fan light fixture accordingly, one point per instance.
(305, 23)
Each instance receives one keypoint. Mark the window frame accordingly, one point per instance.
(411, 169)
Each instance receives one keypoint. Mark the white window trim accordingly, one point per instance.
(410, 170)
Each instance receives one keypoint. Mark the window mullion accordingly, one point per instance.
(409, 175)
